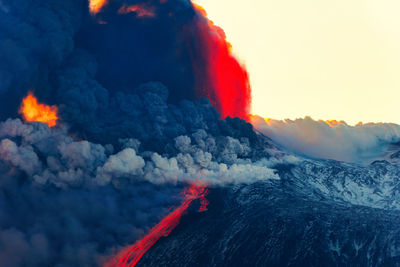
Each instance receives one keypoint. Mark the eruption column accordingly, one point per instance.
(130, 256)
(218, 74)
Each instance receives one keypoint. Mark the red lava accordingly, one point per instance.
(131, 255)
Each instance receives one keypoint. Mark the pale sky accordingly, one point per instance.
(329, 59)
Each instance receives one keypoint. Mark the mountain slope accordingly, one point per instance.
(320, 213)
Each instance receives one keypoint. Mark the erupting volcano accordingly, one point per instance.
(31, 110)
(118, 123)
(131, 255)
(218, 74)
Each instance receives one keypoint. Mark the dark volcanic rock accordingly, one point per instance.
(291, 222)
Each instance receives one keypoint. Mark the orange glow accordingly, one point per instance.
(334, 123)
(200, 9)
(96, 5)
(267, 120)
(255, 117)
(31, 110)
(141, 10)
(219, 30)
(257, 120)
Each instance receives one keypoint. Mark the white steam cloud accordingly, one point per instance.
(341, 142)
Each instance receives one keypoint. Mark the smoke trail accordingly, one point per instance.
(130, 256)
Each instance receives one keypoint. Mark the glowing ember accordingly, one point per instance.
(96, 5)
(31, 110)
(218, 74)
(132, 254)
(140, 10)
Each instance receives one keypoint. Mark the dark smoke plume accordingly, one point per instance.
(132, 131)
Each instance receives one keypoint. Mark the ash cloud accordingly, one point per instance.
(96, 72)
(131, 134)
(51, 156)
(66, 202)
(360, 143)
(35, 38)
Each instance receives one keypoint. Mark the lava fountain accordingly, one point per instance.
(131, 255)
(31, 110)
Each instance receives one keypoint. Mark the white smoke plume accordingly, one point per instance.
(339, 141)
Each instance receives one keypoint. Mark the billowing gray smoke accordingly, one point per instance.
(70, 202)
(130, 135)
(108, 74)
(51, 157)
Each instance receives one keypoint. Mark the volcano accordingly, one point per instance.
(125, 141)
(319, 213)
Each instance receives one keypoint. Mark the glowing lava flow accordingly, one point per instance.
(218, 74)
(96, 5)
(31, 110)
(131, 255)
